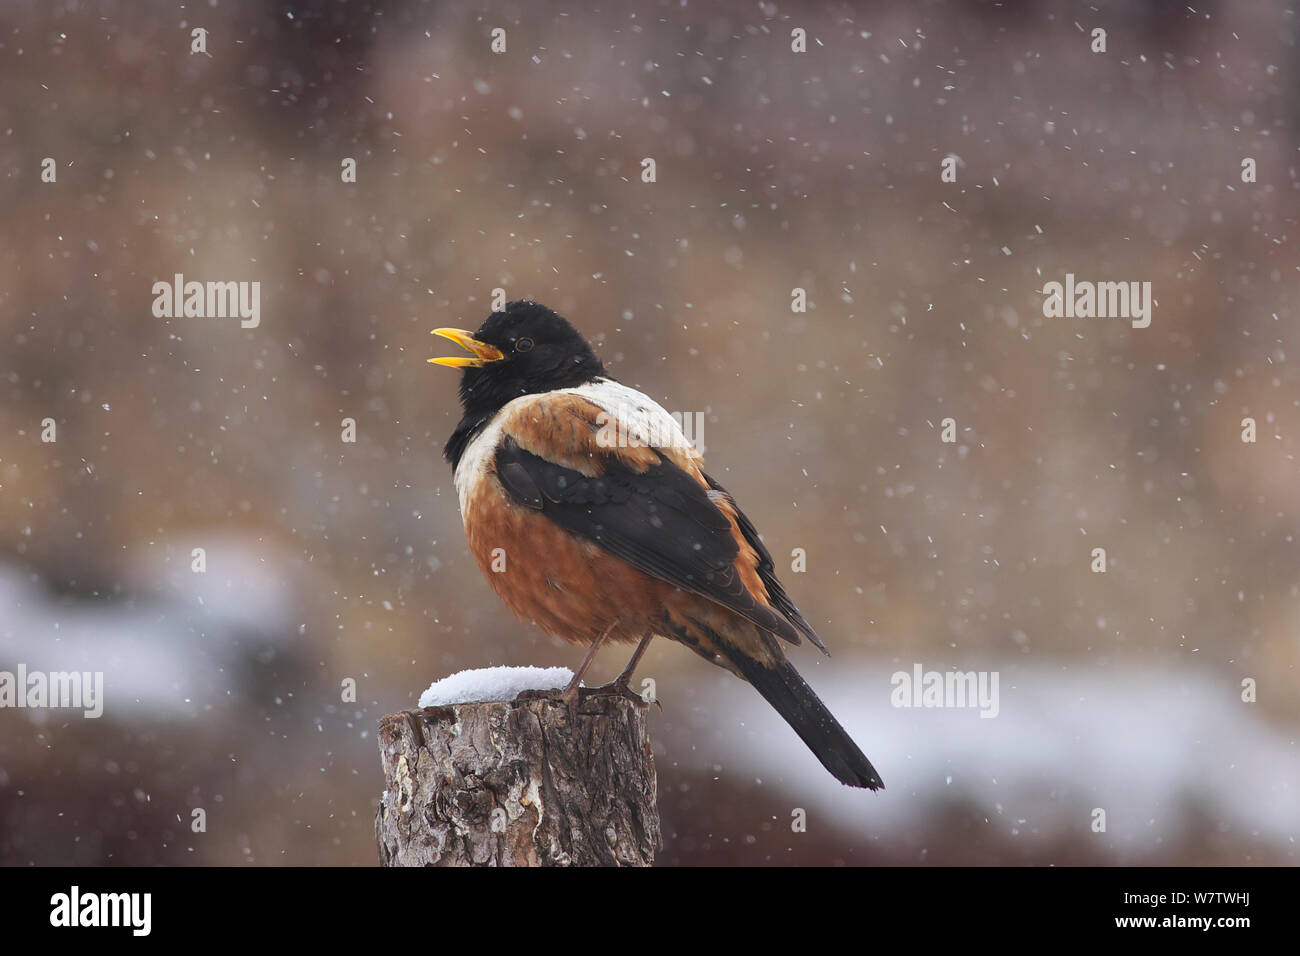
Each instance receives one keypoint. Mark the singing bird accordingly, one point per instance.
(610, 527)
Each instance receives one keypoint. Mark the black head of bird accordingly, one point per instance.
(524, 349)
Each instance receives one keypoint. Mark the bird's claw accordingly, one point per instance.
(615, 688)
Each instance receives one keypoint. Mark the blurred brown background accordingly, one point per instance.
(328, 561)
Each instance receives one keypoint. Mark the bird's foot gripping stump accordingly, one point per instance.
(523, 782)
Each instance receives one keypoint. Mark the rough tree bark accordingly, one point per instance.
(518, 783)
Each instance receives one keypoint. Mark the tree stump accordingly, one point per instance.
(519, 783)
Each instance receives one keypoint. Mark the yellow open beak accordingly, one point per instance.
(483, 353)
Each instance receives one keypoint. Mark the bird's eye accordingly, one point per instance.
(524, 345)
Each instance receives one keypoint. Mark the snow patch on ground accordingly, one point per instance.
(1150, 745)
(493, 683)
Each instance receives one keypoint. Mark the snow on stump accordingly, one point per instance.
(493, 770)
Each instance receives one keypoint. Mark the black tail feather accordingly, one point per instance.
(783, 688)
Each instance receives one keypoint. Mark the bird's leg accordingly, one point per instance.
(625, 678)
(570, 693)
(620, 685)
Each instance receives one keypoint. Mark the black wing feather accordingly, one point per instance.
(660, 521)
(767, 571)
